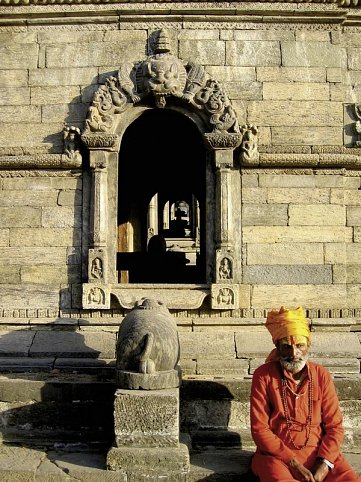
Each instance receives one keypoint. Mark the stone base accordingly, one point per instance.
(148, 381)
(167, 463)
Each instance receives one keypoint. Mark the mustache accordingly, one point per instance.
(293, 364)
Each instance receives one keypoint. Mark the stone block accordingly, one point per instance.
(308, 296)
(298, 196)
(24, 216)
(244, 90)
(72, 344)
(285, 254)
(211, 346)
(264, 214)
(93, 54)
(27, 296)
(62, 77)
(149, 461)
(54, 95)
(291, 74)
(26, 256)
(312, 36)
(51, 275)
(223, 368)
(13, 78)
(254, 195)
(70, 197)
(4, 237)
(353, 216)
(193, 34)
(45, 237)
(61, 217)
(205, 52)
(258, 344)
(32, 184)
(31, 135)
(16, 344)
(227, 73)
(249, 181)
(19, 55)
(249, 53)
(287, 274)
(295, 91)
(334, 74)
(354, 58)
(346, 196)
(9, 274)
(313, 54)
(24, 113)
(260, 34)
(74, 113)
(297, 234)
(335, 253)
(15, 96)
(27, 198)
(301, 114)
(146, 418)
(316, 215)
(327, 136)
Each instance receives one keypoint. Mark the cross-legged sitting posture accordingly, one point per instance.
(296, 420)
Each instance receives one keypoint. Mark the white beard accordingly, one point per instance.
(292, 365)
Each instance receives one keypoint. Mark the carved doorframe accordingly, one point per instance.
(163, 81)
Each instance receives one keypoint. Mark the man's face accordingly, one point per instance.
(293, 353)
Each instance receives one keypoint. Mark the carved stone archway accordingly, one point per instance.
(163, 81)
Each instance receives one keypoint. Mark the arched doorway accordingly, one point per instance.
(161, 195)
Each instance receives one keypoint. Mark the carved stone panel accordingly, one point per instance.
(225, 296)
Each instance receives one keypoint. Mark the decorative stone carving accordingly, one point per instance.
(147, 351)
(99, 140)
(96, 265)
(225, 296)
(71, 142)
(225, 268)
(96, 296)
(163, 76)
(249, 151)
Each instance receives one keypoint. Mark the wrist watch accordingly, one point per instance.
(329, 464)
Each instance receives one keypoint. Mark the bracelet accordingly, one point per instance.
(329, 464)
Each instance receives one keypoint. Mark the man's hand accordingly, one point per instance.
(320, 470)
(300, 472)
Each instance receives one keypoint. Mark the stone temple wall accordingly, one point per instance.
(291, 69)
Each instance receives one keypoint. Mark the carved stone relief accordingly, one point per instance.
(161, 81)
(225, 296)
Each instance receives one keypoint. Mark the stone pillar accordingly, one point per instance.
(147, 443)
(224, 291)
(146, 406)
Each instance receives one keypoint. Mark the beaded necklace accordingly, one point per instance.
(287, 412)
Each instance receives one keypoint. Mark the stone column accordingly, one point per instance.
(224, 292)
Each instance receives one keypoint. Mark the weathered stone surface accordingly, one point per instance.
(215, 345)
(291, 74)
(68, 344)
(316, 215)
(146, 418)
(313, 234)
(288, 274)
(45, 237)
(307, 135)
(310, 296)
(61, 217)
(313, 54)
(205, 52)
(298, 196)
(295, 91)
(248, 53)
(264, 214)
(285, 254)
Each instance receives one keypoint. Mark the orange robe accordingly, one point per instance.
(269, 428)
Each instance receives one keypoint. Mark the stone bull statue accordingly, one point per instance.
(147, 351)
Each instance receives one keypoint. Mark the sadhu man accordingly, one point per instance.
(295, 415)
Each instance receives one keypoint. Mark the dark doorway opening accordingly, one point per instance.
(161, 200)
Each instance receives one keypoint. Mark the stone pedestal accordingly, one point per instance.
(147, 443)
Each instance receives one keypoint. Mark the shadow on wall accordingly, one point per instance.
(45, 402)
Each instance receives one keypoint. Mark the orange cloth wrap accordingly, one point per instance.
(285, 323)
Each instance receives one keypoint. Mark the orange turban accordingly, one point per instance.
(285, 323)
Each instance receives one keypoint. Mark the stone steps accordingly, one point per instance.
(56, 408)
